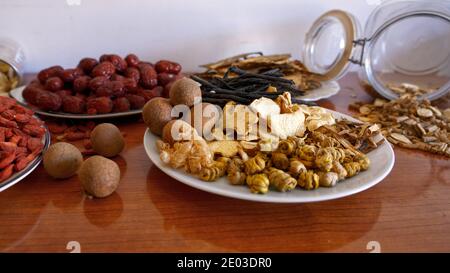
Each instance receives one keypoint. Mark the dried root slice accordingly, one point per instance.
(411, 123)
(308, 180)
(249, 147)
(225, 148)
(280, 180)
(258, 183)
(324, 140)
(400, 137)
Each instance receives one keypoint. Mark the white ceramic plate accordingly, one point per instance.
(18, 176)
(17, 94)
(326, 90)
(382, 160)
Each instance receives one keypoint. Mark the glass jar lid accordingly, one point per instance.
(329, 44)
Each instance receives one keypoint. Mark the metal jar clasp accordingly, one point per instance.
(358, 44)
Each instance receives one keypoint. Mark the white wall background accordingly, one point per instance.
(190, 32)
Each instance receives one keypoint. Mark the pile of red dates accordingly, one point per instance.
(109, 84)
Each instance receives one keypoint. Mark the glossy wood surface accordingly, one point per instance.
(150, 212)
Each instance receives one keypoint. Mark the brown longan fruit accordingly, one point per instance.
(156, 113)
(99, 176)
(184, 91)
(62, 160)
(107, 140)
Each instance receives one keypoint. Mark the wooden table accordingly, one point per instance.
(150, 212)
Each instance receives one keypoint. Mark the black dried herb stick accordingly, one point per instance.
(244, 87)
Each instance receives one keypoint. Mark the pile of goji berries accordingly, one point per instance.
(21, 137)
(72, 132)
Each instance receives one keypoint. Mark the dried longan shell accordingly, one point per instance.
(99, 176)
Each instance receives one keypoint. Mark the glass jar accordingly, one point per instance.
(11, 64)
(403, 42)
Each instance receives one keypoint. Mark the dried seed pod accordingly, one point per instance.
(280, 161)
(324, 160)
(287, 146)
(258, 183)
(338, 154)
(209, 174)
(308, 180)
(364, 161)
(235, 171)
(296, 167)
(326, 157)
(280, 180)
(339, 170)
(214, 172)
(237, 178)
(307, 152)
(352, 168)
(255, 164)
(329, 179)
